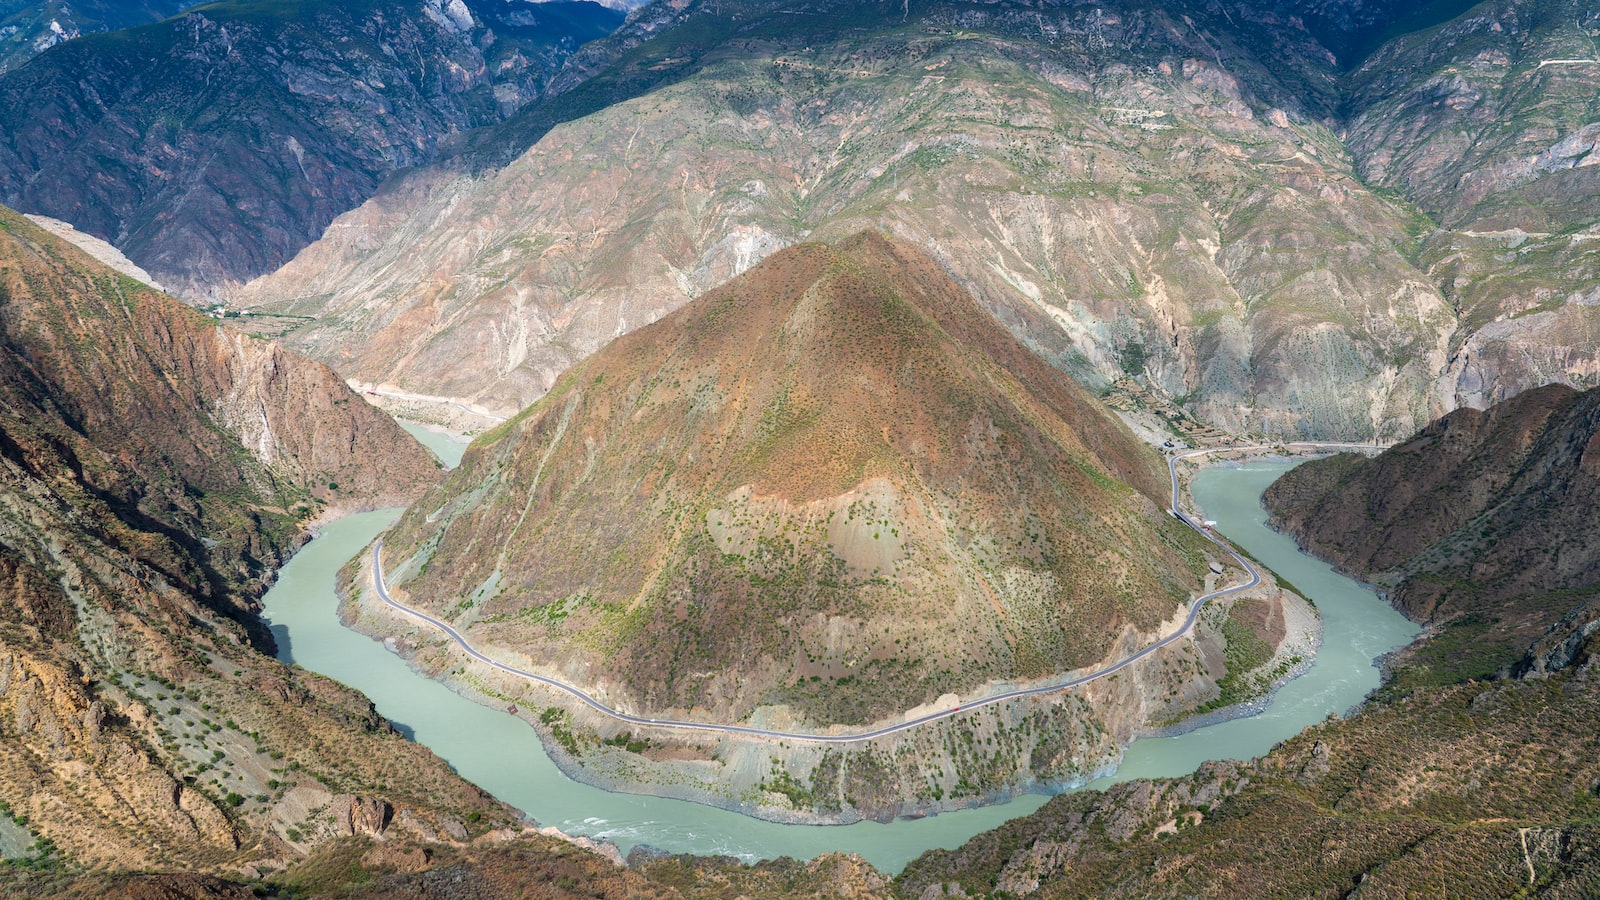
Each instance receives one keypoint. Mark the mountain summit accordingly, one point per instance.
(835, 483)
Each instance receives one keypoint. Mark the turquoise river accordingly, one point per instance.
(502, 754)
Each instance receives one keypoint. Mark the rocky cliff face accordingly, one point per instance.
(1490, 124)
(154, 470)
(1140, 211)
(175, 393)
(212, 146)
(1449, 117)
(1481, 526)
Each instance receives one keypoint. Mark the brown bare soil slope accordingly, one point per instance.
(834, 483)
(180, 427)
(138, 728)
(1483, 525)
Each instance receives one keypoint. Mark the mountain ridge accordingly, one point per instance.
(1048, 188)
(832, 492)
(780, 442)
(1478, 527)
(211, 146)
(155, 469)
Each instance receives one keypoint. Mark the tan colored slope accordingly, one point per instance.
(1491, 123)
(1149, 214)
(139, 729)
(157, 383)
(834, 483)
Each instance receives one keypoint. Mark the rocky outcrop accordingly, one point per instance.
(139, 729)
(75, 767)
(1481, 526)
(1567, 643)
(212, 146)
(356, 816)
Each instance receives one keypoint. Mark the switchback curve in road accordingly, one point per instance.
(1195, 609)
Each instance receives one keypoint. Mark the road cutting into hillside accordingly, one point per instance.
(1183, 631)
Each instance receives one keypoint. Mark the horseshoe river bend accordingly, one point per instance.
(502, 754)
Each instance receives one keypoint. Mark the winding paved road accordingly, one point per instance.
(855, 737)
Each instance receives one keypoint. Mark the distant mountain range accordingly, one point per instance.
(212, 146)
(1204, 201)
(30, 27)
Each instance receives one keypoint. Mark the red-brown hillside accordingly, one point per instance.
(835, 482)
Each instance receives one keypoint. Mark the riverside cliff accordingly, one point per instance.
(155, 469)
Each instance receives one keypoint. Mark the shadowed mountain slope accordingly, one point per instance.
(1353, 29)
(834, 483)
(154, 471)
(212, 146)
(1481, 526)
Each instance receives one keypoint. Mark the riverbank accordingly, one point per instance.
(1042, 744)
(1295, 656)
(937, 767)
(1357, 628)
(456, 416)
(502, 754)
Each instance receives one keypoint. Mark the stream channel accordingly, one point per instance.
(502, 754)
